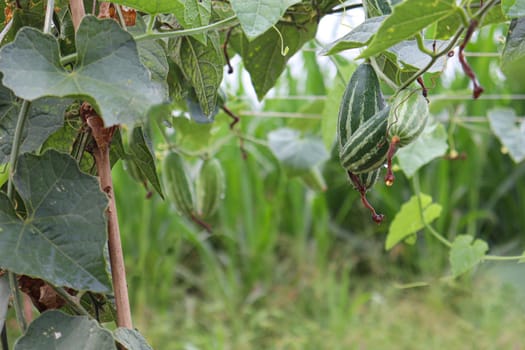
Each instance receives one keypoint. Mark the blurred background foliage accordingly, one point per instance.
(288, 267)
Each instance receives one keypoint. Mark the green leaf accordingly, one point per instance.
(513, 8)
(432, 143)
(5, 295)
(407, 19)
(62, 238)
(108, 73)
(412, 59)
(262, 57)
(408, 220)
(142, 155)
(513, 56)
(151, 53)
(509, 130)
(297, 154)
(202, 65)
(54, 330)
(466, 253)
(151, 6)
(358, 37)
(131, 339)
(192, 14)
(45, 116)
(257, 16)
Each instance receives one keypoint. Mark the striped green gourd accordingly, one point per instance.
(361, 100)
(177, 184)
(406, 121)
(209, 187)
(367, 149)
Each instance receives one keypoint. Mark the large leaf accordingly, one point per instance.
(513, 56)
(131, 339)
(297, 154)
(142, 155)
(108, 71)
(263, 58)
(192, 14)
(62, 237)
(151, 53)
(408, 220)
(510, 131)
(432, 143)
(513, 8)
(358, 37)
(466, 253)
(5, 295)
(151, 6)
(407, 19)
(45, 116)
(202, 65)
(54, 330)
(257, 16)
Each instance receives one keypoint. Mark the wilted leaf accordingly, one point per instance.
(407, 19)
(54, 330)
(408, 219)
(466, 253)
(62, 238)
(131, 339)
(509, 130)
(432, 143)
(108, 71)
(296, 154)
(257, 16)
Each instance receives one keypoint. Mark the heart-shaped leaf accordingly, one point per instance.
(54, 330)
(408, 219)
(257, 16)
(62, 237)
(108, 71)
(466, 253)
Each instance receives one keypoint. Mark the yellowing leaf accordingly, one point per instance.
(408, 219)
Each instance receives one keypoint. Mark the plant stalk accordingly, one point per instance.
(102, 138)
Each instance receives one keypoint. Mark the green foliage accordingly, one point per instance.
(513, 8)
(58, 331)
(465, 253)
(510, 131)
(109, 76)
(258, 16)
(412, 217)
(408, 19)
(62, 204)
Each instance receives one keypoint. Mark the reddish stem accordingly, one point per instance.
(103, 138)
(225, 50)
(422, 84)
(464, 64)
(232, 115)
(378, 218)
(392, 148)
